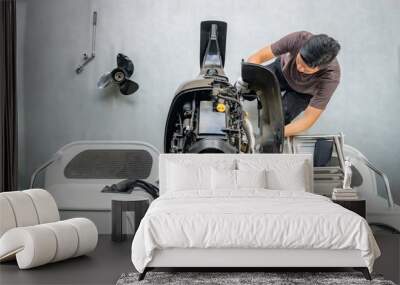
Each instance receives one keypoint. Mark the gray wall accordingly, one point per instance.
(162, 37)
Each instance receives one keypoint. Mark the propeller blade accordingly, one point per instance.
(128, 87)
(125, 63)
(104, 80)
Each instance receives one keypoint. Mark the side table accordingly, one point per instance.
(118, 207)
(357, 206)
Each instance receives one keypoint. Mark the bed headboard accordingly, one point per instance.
(212, 159)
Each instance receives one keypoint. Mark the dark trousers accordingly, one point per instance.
(293, 102)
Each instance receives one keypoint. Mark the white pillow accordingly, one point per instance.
(251, 178)
(223, 179)
(293, 179)
(227, 179)
(283, 172)
(184, 177)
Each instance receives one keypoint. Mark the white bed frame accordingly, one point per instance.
(242, 259)
(252, 258)
(234, 257)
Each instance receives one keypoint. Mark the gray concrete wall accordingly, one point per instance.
(162, 38)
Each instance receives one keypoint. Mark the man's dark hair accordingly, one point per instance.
(319, 50)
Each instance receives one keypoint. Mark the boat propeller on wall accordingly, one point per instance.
(120, 75)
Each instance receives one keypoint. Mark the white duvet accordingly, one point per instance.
(253, 218)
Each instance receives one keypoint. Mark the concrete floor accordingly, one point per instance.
(111, 259)
(103, 266)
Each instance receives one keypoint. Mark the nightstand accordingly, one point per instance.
(119, 207)
(357, 206)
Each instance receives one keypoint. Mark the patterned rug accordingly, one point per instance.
(244, 278)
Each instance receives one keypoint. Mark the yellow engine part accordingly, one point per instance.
(221, 107)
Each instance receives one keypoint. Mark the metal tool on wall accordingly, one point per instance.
(86, 58)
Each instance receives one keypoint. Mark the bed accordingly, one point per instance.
(257, 210)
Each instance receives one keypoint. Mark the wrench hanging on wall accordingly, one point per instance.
(86, 58)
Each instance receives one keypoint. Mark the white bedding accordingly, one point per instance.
(251, 218)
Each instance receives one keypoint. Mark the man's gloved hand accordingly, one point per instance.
(241, 86)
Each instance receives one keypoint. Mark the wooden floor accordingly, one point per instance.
(103, 266)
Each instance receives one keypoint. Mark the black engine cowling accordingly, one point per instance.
(207, 114)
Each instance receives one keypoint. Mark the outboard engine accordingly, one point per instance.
(207, 114)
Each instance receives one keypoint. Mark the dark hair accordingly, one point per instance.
(319, 50)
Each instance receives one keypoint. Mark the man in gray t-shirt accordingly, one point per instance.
(308, 72)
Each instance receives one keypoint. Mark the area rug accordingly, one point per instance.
(244, 278)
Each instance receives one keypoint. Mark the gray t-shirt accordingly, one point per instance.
(319, 85)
